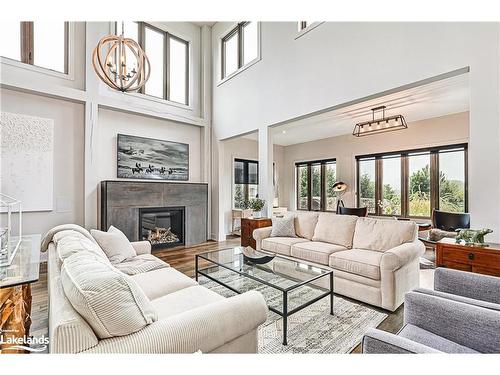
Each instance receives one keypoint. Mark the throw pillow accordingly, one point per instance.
(283, 226)
(109, 301)
(115, 244)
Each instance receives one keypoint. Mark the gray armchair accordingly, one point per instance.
(466, 287)
(461, 316)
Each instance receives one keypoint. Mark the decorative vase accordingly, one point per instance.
(257, 214)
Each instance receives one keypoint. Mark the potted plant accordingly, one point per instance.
(257, 205)
(246, 210)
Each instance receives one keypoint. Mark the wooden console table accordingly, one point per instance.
(485, 260)
(15, 292)
(248, 225)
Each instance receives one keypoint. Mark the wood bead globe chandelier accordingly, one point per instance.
(111, 66)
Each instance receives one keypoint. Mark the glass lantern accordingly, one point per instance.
(10, 228)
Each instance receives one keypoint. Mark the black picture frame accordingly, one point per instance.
(144, 158)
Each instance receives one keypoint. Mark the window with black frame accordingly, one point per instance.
(412, 183)
(246, 182)
(314, 184)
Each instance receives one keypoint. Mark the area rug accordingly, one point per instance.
(311, 330)
(428, 260)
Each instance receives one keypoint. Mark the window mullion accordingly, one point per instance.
(322, 205)
(309, 187)
(378, 185)
(141, 33)
(240, 45)
(66, 47)
(434, 172)
(404, 185)
(27, 53)
(166, 65)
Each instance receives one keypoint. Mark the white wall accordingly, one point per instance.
(68, 157)
(451, 129)
(339, 62)
(113, 122)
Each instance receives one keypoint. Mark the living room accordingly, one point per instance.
(249, 186)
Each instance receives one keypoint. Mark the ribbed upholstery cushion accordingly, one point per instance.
(69, 242)
(140, 264)
(115, 244)
(305, 222)
(280, 245)
(317, 252)
(360, 262)
(432, 340)
(382, 234)
(109, 301)
(68, 331)
(184, 300)
(161, 282)
(335, 229)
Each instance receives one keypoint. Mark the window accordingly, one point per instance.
(366, 181)
(246, 182)
(28, 42)
(239, 47)
(314, 183)
(169, 59)
(413, 183)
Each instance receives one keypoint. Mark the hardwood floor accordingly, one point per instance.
(183, 260)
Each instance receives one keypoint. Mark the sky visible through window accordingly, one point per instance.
(451, 164)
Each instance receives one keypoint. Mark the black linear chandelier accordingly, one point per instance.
(380, 125)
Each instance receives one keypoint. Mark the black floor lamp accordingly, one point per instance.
(339, 189)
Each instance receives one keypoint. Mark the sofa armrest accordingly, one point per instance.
(261, 233)
(467, 284)
(205, 328)
(141, 247)
(398, 256)
(471, 326)
(380, 342)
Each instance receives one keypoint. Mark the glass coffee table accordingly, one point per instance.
(288, 285)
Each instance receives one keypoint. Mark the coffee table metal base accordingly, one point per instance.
(285, 313)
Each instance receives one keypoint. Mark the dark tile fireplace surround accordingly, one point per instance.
(165, 213)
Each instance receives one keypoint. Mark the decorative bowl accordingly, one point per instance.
(256, 257)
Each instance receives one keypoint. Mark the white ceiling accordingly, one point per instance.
(436, 99)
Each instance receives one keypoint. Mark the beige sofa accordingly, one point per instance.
(189, 317)
(374, 260)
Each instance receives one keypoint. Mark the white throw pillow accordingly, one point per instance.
(335, 229)
(115, 244)
(109, 301)
(305, 222)
(383, 234)
(283, 226)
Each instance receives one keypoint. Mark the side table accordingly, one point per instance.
(15, 292)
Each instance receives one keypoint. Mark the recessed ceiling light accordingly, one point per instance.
(284, 131)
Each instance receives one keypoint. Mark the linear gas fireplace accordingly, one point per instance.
(162, 226)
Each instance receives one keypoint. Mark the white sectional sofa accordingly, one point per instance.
(374, 260)
(153, 309)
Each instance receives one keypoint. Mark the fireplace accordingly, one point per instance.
(162, 226)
